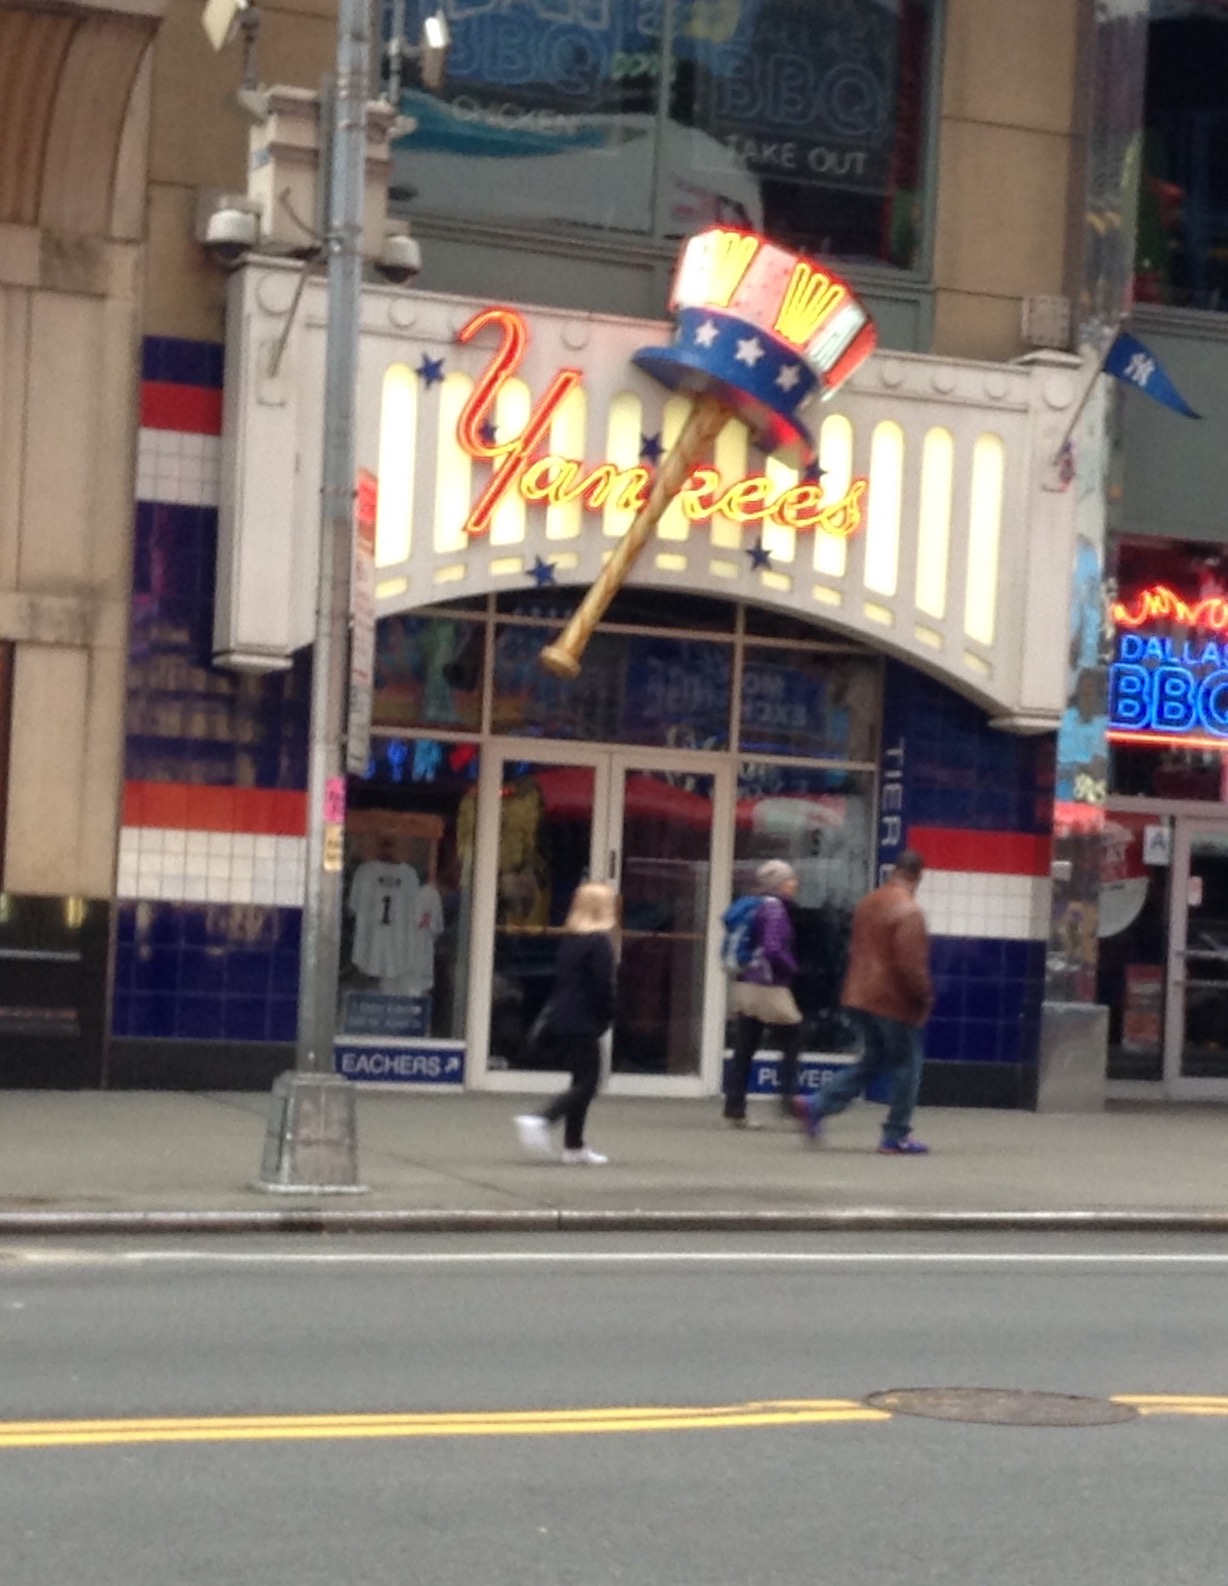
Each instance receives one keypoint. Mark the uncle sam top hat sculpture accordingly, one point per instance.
(764, 331)
(758, 332)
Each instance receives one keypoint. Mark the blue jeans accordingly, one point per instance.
(887, 1046)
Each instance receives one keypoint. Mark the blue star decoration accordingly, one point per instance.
(430, 371)
(651, 448)
(487, 433)
(542, 573)
(759, 554)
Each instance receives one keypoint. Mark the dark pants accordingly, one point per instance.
(887, 1046)
(748, 1037)
(582, 1055)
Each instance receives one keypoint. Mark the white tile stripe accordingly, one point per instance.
(171, 865)
(178, 467)
(969, 903)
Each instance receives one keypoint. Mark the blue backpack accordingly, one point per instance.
(739, 943)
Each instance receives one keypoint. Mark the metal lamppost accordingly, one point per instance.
(312, 1142)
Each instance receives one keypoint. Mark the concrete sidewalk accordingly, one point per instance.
(81, 1161)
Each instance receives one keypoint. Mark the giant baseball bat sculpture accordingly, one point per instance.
(758, 332)
(704, 423)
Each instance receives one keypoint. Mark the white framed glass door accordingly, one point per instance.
(657, 825)
(1196, 1023)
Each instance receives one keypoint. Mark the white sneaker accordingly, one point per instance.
(584, 1156)
(534, 1133)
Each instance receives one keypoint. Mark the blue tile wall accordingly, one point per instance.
(181, 362)
(962, 774)
(206, 972)
(959, 771)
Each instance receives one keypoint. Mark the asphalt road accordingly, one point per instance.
(661, 1412)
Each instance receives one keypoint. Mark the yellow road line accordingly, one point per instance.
(501, 1423)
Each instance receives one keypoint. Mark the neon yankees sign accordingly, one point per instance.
(517, 465)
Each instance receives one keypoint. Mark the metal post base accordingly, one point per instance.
(311, 1145)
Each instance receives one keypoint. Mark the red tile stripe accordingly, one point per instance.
(985, 853)
(185, 806)
(193, 408)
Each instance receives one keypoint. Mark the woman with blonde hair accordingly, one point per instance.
(579, 1010)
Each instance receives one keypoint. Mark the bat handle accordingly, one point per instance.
(706, 420)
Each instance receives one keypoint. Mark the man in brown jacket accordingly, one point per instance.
(887, 990)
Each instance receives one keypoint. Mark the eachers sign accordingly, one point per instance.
(1168, 683)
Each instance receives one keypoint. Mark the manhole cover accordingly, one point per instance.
(1001, 1406)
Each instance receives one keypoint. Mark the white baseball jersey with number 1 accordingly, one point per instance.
(382, 901)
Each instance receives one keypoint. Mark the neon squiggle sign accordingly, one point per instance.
(559, 480)
(1161, 604)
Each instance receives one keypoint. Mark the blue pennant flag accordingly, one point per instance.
(1128, 360)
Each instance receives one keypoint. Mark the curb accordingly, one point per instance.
(309, 1219)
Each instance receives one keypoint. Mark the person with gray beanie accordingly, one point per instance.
(762, 992)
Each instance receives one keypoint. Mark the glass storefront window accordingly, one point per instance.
(822, 822)
(547, 115)
(1181, 253)
(821, 105)
(633, 688)
(802, 118)
(807, 703)
(429, 672)
(408, 891)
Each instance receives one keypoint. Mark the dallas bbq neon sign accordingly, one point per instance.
(557, 480)
(1165, 689)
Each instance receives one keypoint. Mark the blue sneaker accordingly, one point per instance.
(810, 1120)
(905, 1147)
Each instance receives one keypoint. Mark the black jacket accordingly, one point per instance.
(582, 1002)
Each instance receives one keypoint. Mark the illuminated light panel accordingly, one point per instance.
(724, 569)
(934, 528)
(712, 267)
(879, 614)
(984, 537)
(928, 636)
(882, 548)
(827, 597)
(671, 562)
(453, 468)
(673, 524)
(513, 409)
(779, 541)
(398, 433)
(836, 454)
(1161, 604)
(811, 298)
(977, 663)
(456, 574)
(564, 518)
(778, 581)
(508, 566)
(730, 457)
(625, 424)
(390, 588)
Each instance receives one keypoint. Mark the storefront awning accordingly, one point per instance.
(941, 533)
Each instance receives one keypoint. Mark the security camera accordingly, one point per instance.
(230, 232)
(400, 258)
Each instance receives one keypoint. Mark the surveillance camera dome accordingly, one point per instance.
(230, 233)
(400, 258)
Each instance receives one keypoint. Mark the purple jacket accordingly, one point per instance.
(773, 963)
